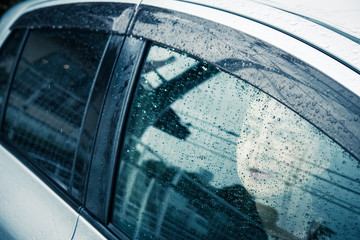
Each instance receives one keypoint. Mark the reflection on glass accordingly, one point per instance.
(48, 97)
(207, 156)
(7, 58)
(278, 154)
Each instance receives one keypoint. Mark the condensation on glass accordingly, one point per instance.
(208, 156)
(49, 94)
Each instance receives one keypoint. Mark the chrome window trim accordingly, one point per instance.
(306, 53)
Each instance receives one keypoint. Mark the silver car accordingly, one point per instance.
(177, 120)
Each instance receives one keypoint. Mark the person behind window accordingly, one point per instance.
(277, 155)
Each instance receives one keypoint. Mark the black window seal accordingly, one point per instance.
(105, 156)
(89, 126)
(62, 193)
(100, 16)
(11, 77)
(110, 232)
(118, 232)
(123, 122)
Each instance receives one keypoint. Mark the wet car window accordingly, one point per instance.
(7, 58)
(49, 95)
(208, 156)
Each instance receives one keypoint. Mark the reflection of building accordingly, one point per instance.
(155, 201)
(45, 111)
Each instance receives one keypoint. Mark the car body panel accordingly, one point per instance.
(26, 201)
(85, 231)
(45, 214)
(318, 36)
(331, 104)
(345, 16)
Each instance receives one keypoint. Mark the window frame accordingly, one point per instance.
(89, 127)
(126, 55)
(162, 26)
(115, 111)
(160, 33)
(12, 74)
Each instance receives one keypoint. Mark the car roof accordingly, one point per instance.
(325, 36)
(339, 43)
(344, 15)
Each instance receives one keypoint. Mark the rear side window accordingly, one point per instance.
(8, 54)
(208, 156)
(49, 94)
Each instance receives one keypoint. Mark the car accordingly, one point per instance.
(157, 119)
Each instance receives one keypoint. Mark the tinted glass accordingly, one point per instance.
(7, 57)
(208, 156)
(49, 94)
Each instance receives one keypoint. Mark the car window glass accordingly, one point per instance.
(208, 156)
(7, 58)
(49, 95)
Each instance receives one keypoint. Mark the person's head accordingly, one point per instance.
(276, 149)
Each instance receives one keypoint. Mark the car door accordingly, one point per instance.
(54, 75)
(210, 133)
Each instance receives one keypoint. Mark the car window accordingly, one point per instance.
(7, 58)
(206, 155)
(49, 94)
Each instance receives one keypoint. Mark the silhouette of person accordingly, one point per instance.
(275, 155)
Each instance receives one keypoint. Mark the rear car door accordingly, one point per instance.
(55, 67)
(211, 133)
